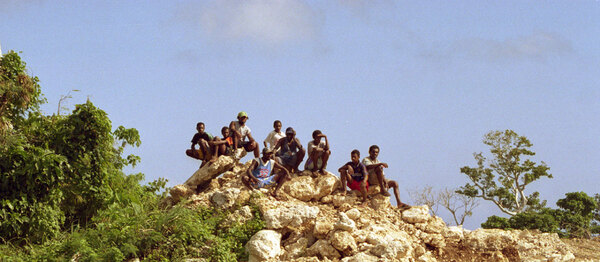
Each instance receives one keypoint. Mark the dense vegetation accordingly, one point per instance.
(63, 193)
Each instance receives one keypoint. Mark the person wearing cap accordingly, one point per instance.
(290, 153)
(262, 172)
(239, 131)
(318, 153)
(377, 178)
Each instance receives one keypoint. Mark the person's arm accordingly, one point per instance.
(278, 144)
(249, 171)
(298, 143)
(232, 129)
(250, 138)
(269, 138)
(343, 168)
(279, 166)
(326, 142)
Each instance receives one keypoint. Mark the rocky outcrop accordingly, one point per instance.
(312, 221)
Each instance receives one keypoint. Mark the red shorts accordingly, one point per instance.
(355, 185)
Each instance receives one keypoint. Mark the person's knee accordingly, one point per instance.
(393, 184)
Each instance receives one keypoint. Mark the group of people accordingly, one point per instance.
(282, 154)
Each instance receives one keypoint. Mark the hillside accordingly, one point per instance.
(311, 221)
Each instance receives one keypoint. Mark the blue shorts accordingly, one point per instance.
(264, 182)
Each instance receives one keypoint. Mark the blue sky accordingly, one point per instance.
(425, 80)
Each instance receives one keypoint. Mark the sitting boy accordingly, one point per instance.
(376, 176)
(355, 175)
(291, 153)
(274, 135)
(318, 153)
(223, 146)
(261, 172)
(239, 131)
(201, 139)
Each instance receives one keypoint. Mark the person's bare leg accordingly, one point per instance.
(324, 159)
(246, 181)
(392, 184)
(299, 158)
(364, 190)
(280, 179)
(252, 147)
(382, 187)
(192, 154)
(343, 178)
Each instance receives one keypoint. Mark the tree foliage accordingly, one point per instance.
(504, 178)
(55, 171)
(573, 218)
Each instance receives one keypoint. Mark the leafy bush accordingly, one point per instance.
(496, 222)
(543, 221)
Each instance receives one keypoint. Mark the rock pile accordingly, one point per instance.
(313, 222)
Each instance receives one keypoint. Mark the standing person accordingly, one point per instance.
(291, 153)
(261, 172)
(376, 176)
(355, 175)
(274, 135)
(318, 153)
(239, 132)
(201, 139)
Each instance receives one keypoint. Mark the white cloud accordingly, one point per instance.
(537, 46)
(262, 21)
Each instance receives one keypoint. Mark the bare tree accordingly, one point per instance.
(425, 196)
(460, 206)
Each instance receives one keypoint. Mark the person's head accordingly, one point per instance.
(200, 127)
(267, 153)
(355, 156)
(290, 133)
(373, 152)
(242, 117)
(315, 134)
(277, 126)
(225, 132)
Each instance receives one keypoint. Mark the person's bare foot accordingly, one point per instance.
(385, 193)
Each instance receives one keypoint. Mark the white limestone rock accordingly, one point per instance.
(264, 245)
(292, 217)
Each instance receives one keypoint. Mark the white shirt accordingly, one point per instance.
(243, 130)
(272, 138)
(311, 146)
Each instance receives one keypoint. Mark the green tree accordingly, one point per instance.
(55, 171)
(504, 178)
(575, 214)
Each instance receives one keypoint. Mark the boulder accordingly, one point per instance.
(322, 228)
(322, 248)
(210, 171)
(344, 242)
(416, 214)
(292, 217)
(361, 257)
(353, 214)
(307, 188)
(264, 245)
(345, 223)
(180, 192)
(225, 199)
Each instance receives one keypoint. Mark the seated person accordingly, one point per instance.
(239, 132)
(201, 139)
(376, 176)
(274, 135)
(355, 175)
(223, 146)
(291, 153)
(261, 172)
(318, 153)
